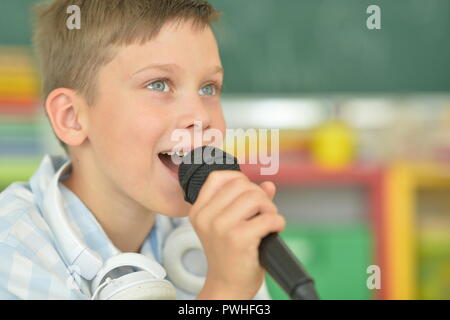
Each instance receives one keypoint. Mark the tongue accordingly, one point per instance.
(167, 161)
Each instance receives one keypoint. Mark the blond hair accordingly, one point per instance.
(71, 58)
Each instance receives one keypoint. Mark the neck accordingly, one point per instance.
(126, 223)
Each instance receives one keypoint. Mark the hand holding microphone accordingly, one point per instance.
(237, 224)
(223, 217)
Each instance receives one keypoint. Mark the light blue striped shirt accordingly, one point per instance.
(32, 265)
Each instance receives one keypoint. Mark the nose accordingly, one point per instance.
(195, 114)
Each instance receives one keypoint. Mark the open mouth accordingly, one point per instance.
(172, 160)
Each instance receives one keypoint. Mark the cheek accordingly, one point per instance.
(143, 132)
(124, 136)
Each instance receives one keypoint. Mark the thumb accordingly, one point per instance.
(269, 188)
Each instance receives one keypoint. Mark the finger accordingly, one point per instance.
(262, 225)
(269, 188)
(214, 183)
(245, 207)
(228, 194)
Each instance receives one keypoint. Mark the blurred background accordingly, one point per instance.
(364, 119)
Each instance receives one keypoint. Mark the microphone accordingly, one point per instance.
(274, 254)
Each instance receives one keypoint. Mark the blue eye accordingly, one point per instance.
(208, 90)
(159, 85)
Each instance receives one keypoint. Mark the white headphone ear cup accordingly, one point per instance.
(128, 259)
(138, 286)
(180, 241)
(148, 291)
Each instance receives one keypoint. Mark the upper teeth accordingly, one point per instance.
(178, 153)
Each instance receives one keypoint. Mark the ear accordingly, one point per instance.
(66, 111)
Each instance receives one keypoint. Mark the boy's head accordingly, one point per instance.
(117, 88)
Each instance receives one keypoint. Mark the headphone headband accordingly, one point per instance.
(75, 252)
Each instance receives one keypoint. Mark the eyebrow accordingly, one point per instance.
(171, 67)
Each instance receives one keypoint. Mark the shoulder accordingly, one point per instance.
(31, 266)
(20, 216)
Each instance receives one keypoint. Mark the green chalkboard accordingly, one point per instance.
(15, 21)
(315, 46)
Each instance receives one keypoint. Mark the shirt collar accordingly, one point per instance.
(82, 221)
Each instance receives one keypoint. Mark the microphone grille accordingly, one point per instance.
(198, 164)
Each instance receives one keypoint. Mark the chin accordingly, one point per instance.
(178, 209)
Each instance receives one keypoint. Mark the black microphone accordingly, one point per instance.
(274, 254)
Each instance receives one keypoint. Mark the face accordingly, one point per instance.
(144, 94)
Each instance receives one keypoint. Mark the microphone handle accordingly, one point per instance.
(279, 261)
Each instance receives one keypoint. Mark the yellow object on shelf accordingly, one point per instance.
(333, 145)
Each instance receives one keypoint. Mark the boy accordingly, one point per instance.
(115, 90)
